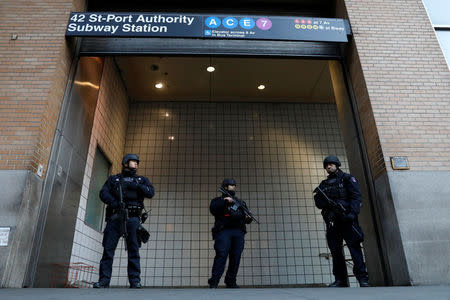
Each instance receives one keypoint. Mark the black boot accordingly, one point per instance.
(135, 285)
(232, 285)
(212, 284)
(338, 283)
(364, 282)
(100, 285)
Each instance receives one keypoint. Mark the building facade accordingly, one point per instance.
(72, 106)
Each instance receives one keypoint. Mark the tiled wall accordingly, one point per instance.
(110, 121)
(274, 151)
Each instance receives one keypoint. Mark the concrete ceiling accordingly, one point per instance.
(235, 79)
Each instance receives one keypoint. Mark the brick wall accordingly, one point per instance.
(33, 75)
(398, 66)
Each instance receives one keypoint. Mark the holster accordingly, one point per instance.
(142, 234)
(215, 230)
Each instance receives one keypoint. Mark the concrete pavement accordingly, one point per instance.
(380, 293)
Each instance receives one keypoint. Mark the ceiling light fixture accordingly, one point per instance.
(159, 85)
(210, 69)
(261, 87)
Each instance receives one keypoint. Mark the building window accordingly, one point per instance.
(95, 207)
(438, 11)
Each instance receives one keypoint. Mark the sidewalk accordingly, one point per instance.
(380, 293)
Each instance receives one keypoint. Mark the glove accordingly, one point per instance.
(349, 218)
(228, 201)
(143, 188)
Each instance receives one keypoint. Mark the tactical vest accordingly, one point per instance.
(130, 197)
(334, 187)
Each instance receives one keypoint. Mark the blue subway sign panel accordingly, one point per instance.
(102, 24)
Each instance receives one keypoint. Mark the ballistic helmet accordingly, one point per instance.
(129, 157)
(228, 181)
(331, 160)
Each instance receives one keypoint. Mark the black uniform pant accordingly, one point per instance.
(338, 232)
(111, 237)
(228, 242)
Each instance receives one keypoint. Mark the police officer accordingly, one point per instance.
(134, 189)
(228, 232)
(343, 189)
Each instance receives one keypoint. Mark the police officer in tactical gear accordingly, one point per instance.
(228, 232)
(134, 189)
(343, 189)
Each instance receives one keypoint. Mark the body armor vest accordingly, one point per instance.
(334, 188)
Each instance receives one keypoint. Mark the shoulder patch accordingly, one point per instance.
(353, 179)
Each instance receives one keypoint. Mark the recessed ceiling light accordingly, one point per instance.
(171, 137)
(261, 87)
(210, 69)
(159, 85)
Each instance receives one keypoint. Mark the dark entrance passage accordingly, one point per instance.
(273, 149)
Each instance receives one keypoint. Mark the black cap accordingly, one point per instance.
(331, 160)
(129, 157)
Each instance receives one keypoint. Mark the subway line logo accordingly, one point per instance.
(244, 23)
(306, 24)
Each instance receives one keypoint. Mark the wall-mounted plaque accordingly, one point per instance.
(399, 163)
(4, 235)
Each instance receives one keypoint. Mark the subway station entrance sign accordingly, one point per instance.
(95, 24)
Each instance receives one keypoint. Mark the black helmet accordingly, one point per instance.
(331, 160)
(228, 181)
(129, 157)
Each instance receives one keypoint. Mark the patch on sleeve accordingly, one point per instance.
(353, 179)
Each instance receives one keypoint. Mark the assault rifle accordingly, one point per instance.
(239, 204)
(123, 212)
(338, 209)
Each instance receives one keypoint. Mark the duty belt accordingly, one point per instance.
(133, 211)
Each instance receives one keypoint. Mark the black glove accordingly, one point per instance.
(349, 218)
(143, 188)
